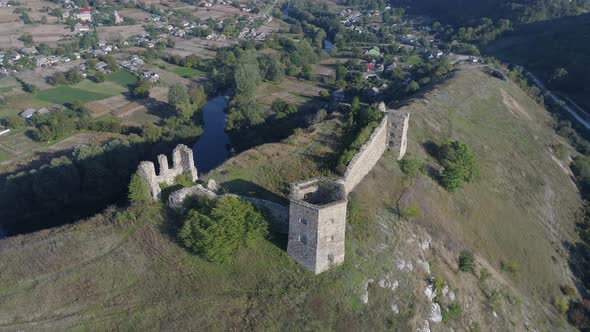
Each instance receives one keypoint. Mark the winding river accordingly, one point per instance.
(210, 150)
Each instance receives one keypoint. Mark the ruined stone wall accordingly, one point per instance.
(397, 131)
(331, 236)
(182, 161)
(368, 155)
(303, 224)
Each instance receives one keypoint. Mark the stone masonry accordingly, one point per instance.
(317, 210)
(317, 224)
(397, 131)
(182, 162)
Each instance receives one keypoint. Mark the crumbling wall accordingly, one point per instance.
(397, 131)
(390, 133)
(182, 161)
(368, 155)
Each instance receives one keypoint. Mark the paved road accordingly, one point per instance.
(559, 101)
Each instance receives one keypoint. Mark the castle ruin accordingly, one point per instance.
(317, 223)
(317, 209)
(182, 163)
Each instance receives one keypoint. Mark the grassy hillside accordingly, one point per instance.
(125, 272)
(545, 46)
(523, 204)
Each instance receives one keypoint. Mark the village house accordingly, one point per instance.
(151, 77)
(85, 15)
(28, 113)
(101, 66)
(79, 27)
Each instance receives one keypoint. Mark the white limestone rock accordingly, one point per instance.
(435, 313)
(394, 308)
(429, 292)
(424, 327)
(212, 185)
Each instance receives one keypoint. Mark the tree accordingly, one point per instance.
(410, 167)
(26, 38)
(459, 165)
(247, 74)
(110, 61)
(58, 78)
(139, 191)
(282, 109)
(177, 95)
(216, 233)
(100, 77)
(243, 112)
(191, 61)
(466, 261)
(271, 68)
(197, 95)
(151, 133)
(73, 77)
(142, 90)
(13, 121)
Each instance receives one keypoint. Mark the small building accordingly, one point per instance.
(28, 113)
(151, 77)
(85, 15)
(79, 27)
(100, 66)
(338, 95)
(31, 111)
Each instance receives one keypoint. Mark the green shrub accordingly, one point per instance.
(568, 290)
(184, 180)
(411, 167)
(459, 165)
(562, 305)
(216, 234)
(510, 266)
(466, 261)
(411, 213)
(451, 312)
(139, 191)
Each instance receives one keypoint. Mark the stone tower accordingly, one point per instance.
(317, 223)
(182, 163)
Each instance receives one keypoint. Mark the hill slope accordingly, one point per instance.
(126, 272)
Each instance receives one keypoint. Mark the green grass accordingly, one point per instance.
(521, 194)
(5, 155)
(84, 92)
(123, 78)
(413, 60)
(132, 273)
(187, 72)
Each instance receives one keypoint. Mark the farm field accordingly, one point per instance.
(123, 78)
(185, 72)
(289, 89)
(44, 33)
(112, 33)
(19, 102)
(85, 91)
